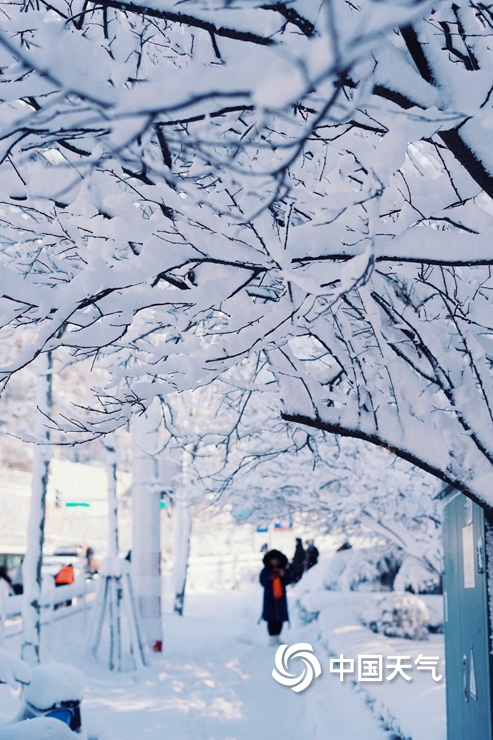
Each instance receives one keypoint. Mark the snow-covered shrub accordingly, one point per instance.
(415, 577)
(398, 615)
(371, 569)
(306, 615)
(315, 578)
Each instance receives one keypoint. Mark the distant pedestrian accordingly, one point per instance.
(65, 576)
(274, 577)
(91, 566)
(311, 555)
(298, 562)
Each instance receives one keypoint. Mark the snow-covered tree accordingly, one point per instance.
(311, 182)
(263, 469)
(146, 530)
(31, 565)
(341, 486)
(182, 529)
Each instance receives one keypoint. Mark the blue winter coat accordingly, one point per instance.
(275, 608)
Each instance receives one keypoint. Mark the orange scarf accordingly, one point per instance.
(277, 588)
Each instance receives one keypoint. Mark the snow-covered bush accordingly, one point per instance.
(371, 569)
(398, 615)
(378, 568)
(415, 577)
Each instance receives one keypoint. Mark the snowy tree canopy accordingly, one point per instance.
(184, 184)
(340, 485)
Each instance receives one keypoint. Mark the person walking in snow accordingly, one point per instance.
(274, 577)
(298, 562)
(312, 554)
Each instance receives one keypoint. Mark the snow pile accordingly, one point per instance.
(41, 728)
(53, 684)
(313, 579)
(414, 576)
(397, 615)
(13, 669)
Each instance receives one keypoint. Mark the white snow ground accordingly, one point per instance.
(214, 679)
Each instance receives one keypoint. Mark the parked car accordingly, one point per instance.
(82, 552)
(74, 551)
(79, 557)
(11, 562)
(11, 559)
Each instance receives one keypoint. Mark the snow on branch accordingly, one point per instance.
(183, 188)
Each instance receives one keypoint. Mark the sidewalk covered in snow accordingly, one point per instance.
(214, 679)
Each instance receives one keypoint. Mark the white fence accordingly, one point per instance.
(56, 603)
(225, 570)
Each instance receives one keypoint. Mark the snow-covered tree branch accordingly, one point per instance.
(182, 187)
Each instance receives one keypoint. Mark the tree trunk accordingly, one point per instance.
(182, 530)
(146, 534)
(111, 463)
(31, 568)
(115, 591)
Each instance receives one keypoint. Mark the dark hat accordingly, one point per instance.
(274, 555)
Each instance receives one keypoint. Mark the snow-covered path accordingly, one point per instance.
(214, 682)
